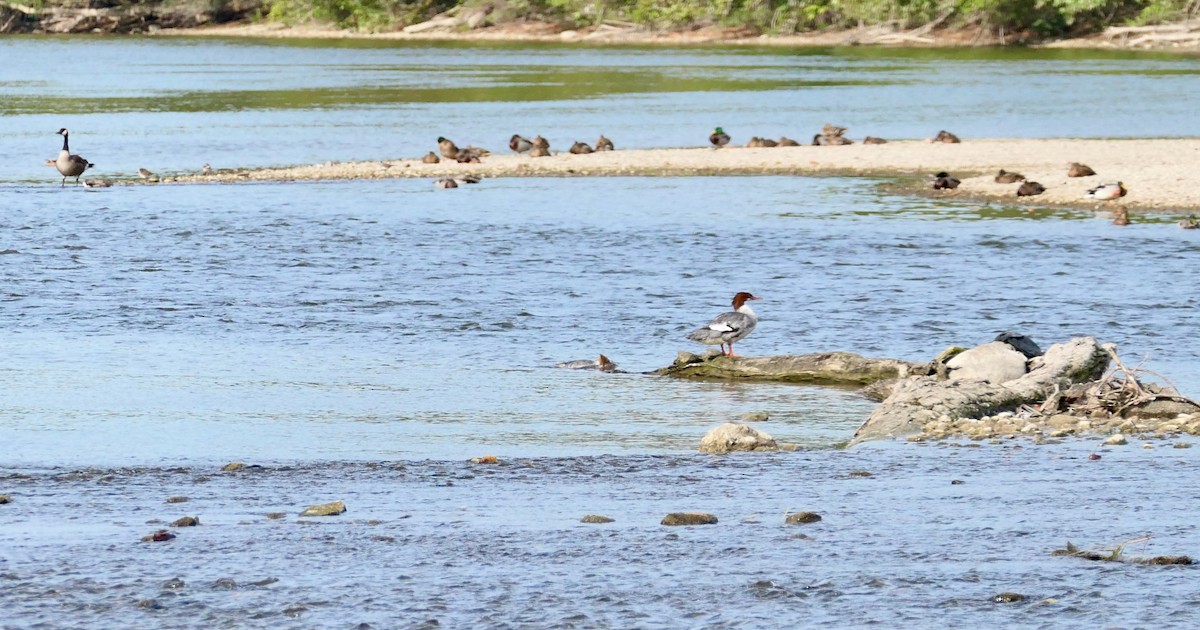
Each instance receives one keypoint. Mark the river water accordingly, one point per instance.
(362, 340)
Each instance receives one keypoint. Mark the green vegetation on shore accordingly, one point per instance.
(1032, 19)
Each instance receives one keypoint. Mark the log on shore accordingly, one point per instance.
(918, 400)
(829, 368)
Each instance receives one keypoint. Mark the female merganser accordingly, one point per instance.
(729, 327)
(70, 165)
(1108, 192)
(603, 364)
(1190, 223)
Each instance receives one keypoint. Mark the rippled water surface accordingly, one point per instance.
(364, 339)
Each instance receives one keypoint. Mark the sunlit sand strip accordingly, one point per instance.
(1161, 174)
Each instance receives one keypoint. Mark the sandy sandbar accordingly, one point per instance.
(1161, 174)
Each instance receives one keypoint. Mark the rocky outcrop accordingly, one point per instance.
(675, 519)
(832, 368)
(325, 509)
(920, 400)
(730, 437)
(994, 362)
(122, 16)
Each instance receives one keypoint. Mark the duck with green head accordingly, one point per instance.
(719, 138)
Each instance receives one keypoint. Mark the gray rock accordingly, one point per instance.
(4, 498)
(1116, 440)
(595, 518)
(995, 362)
(730, 437)
(187, 521)
(801, 518)
(756, 416)
(822, 367)
(689, 518)
(325, 509)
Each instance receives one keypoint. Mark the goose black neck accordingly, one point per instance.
(65, 144)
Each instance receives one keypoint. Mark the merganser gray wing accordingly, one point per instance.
(729, 327)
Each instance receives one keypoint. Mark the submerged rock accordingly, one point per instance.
(801, 518)
(595, 518)
(756, 416)
(4, 498)
(823, 367)
(689, 518)
(325, 509)
(1008, 598)
(177, 499)
(187, 521)
(730, 437)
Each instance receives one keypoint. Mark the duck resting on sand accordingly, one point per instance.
(1075, 169)
(1108, 192)
(728, 327)
(519, 143)
(945, 181)
(1008, 177)
(719, 138)
(603, 364)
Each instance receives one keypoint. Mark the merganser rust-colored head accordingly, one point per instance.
(604, 364)
(741, 298)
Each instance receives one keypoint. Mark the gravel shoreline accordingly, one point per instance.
(1159, 173)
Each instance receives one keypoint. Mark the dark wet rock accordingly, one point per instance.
(802, 518)
(756, 416)
(1116, 555)
(1021, 343)
(1163, 407)
(1094, 456)
(730, 437)
(1182, 445)
(276, 515)
(1008, 598)
(150, 604)
(225, 584)
(174, 584)
(1163, 560)
(233, 467)
(957, 482)
(265, 582)
(332, 508)
(596, 518)
(995, 362)
(161, 535)
(187, 521)
(823, 367)
(861, 473)
(177, 499)
(4, 498)
(689, 518)
(921, 400)
(294, 611)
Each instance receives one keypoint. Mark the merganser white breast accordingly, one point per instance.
(726, 328)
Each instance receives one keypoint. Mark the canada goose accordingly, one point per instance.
(540, 142)
(1075, 169)
(1190, 223)
(1029, 189)
(946, 137)
(431, 158)
(581, 148)
(1120, 216)
(446, 182)
(604, 144)
(945, 181)
(1108, 192)
(519, 143)
(539, 152)
(1007, 177)
(718, 138)
(874, 140)
(785, 141)
(70, 165)
(448, 148)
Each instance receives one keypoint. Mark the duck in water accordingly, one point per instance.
(603, 364)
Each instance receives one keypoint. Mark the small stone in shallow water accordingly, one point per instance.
(276, 515)
(689, 518)
(595, 518)
(187, 521)
(1182, 445)
(225, 584)
(332, 508)
(177, 499)
(233, 467)
(174, 584)
(800, 518)
(1008, 598)
(4, 498)
(957, 482)
(150, 604)
(161, 535)
(861, 473)
(1094, 456)
(756, 416)
(1116, 440)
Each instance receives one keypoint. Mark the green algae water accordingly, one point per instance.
(363, 340)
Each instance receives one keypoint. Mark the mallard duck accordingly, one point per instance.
(69, 165)
(945, 181)
(540, 142)
(946, 137)
(1030, 189)
(448, 148)
(465, 156)
(1006, 177)
(446, 182)
(431, 158)
(873, 140)
(1120, 216)
(718, 138)
(604, 144)
(1190, 223)
(788, 142)
(519, 143)
(1075, 169)
(539, 152)
(728, 327)
(581, 148)
(754, 143)
(1108, 192)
